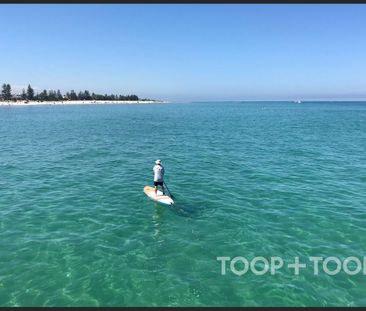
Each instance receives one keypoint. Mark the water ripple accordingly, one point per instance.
(253, 179)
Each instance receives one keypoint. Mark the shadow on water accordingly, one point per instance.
(185, 209)
(158, 212)
(180, 208)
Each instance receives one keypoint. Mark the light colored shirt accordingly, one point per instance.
(158, 173)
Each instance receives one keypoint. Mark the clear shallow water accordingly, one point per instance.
(250, 179)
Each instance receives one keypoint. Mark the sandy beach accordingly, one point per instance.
(77, 102)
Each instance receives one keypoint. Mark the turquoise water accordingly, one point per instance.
(250, 179)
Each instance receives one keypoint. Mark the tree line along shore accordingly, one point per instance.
(52, 95)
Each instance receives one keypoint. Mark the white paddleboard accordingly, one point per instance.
(159, 197)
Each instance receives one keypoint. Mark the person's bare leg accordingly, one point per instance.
(156, 190)
(163, 189)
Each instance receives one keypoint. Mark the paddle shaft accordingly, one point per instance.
(168, 190)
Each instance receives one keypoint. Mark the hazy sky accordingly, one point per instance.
(189, 51)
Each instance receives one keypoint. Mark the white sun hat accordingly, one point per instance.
(158, 162)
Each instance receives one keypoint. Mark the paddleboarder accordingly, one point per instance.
(158, 176)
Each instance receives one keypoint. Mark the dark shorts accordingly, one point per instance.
(158, 183)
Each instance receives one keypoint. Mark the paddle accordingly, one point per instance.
(171, 195)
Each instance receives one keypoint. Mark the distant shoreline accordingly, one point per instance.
(78, 102)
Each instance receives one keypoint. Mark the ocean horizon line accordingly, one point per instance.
(274, 100)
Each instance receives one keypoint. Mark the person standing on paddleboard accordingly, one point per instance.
(158, 176)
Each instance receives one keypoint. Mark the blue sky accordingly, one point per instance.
(188, 51)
